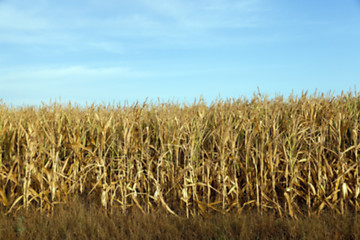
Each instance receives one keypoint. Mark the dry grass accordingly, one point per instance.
(77, 220)
(293, 157)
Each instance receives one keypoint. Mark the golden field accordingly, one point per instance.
(295, 156)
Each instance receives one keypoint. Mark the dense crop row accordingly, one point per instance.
(291, 156)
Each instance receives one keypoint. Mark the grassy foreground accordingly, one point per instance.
(286, 158)
(82, 221)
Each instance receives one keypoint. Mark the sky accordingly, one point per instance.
(106, 51)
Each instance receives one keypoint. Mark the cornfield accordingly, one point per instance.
(294, 156)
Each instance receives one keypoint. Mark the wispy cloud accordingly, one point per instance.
(157, 23)
(207, 14)
(82, 36)
(79, 83)
(71, 75)
(14, 18)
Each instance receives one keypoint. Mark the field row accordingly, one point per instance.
(294, 156)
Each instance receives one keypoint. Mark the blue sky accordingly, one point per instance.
(105, 50)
